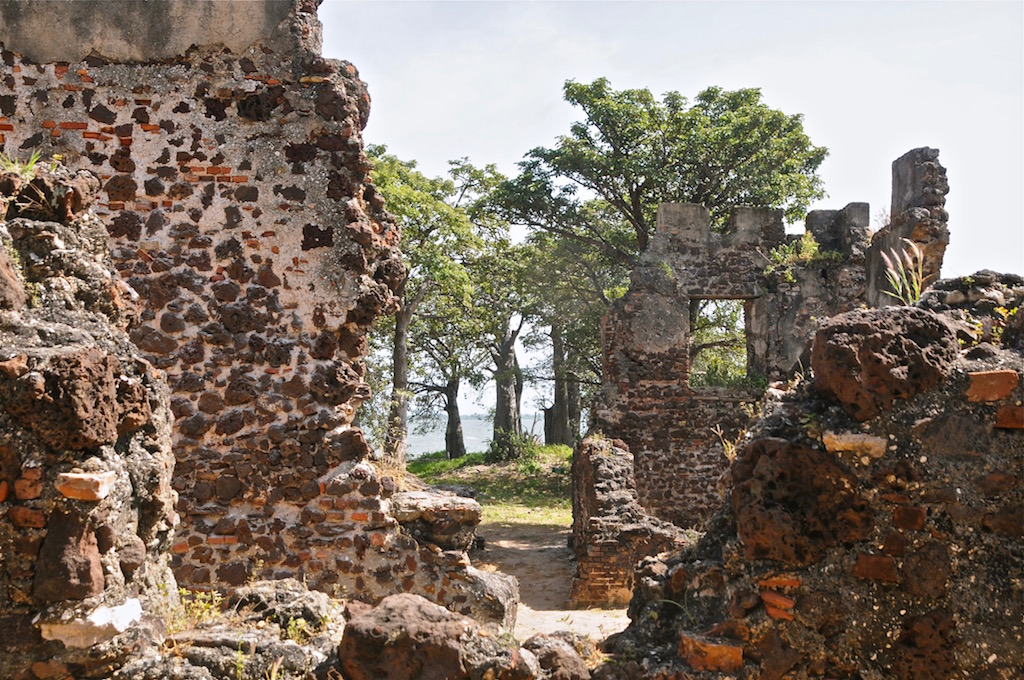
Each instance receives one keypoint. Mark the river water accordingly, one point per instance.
(476, 430)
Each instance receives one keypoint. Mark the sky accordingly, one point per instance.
(484, 80)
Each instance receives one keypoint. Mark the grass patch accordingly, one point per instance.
(536, 491)
(431, 465)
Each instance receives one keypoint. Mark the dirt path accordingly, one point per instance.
(539, 556)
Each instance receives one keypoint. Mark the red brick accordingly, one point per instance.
(7, 127)
(991, 385)
(149, 127)
(909, 517)
(72, 125)
(222, 540)
(21, 516)
(875, 568)
(1010, 418)
(28, 489)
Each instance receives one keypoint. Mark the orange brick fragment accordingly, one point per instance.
(991, 385)
(74, 125)
(149, 127)
(702, 655)
(778, 614)
(6, 127)
(1010, 418)
(5, 490)
(773, 582)
(240, 178)
(777, 600)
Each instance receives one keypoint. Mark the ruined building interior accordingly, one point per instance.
(185, 299)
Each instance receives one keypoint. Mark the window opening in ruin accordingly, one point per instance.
(718, 343)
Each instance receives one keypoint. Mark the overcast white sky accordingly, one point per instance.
(873, 80)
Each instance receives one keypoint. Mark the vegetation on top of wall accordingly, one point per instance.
(801, 252)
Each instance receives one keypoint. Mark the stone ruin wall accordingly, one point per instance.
(234, 188)
(646, 399)
(610, 531)
(86, 505)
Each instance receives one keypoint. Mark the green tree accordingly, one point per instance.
(437, 234)
(725, 148)
(572, 286)
(600, 185)
(446, 354)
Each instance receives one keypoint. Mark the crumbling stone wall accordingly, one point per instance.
(86, 505)
(875, 522)
(234, 188)
(610, 531)
(676, 431)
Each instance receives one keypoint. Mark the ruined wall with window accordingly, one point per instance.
(680, 426)
(234, 188)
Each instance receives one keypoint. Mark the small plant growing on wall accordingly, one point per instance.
(904, 270)
(799, 253)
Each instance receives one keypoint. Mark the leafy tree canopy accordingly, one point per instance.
(633, 152)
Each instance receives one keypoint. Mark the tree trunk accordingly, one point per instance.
(508, 382)
(397, 431)
(454, 443)
(560, 430)
(575, 408)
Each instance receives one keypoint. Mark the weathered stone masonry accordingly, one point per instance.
(675, 431)
(235, 191)
(647, 399)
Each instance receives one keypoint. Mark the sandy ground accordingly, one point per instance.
(539, 556)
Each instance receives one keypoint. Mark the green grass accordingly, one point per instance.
(534, 491)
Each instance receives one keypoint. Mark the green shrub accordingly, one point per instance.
(508, 446)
